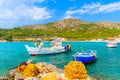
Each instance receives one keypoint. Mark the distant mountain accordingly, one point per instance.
(74, 24)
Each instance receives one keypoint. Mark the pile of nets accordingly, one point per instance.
(27, 70)
(75, 70)
(32, 70)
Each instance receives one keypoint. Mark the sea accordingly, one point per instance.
(106, 66)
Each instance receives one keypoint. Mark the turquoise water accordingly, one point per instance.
(106, 67)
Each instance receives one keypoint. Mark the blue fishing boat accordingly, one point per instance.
(85, 56)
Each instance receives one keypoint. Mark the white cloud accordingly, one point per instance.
(94, 8)
(41, 1)
(39, 13)
(15, 11)
(54, 1)
(10, 4)
(68, 16)
(108, 8)
(72, 7)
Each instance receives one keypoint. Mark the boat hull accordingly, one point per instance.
(85, 59)
(111, 45)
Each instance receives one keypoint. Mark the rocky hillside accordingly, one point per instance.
(107, 24)
(74, 24)
(71, 29)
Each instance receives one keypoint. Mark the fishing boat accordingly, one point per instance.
(56, 47)
(87, 56)
(111, 44)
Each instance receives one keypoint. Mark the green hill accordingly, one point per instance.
(72, 29)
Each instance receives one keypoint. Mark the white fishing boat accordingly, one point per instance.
(56, 47)
(111, 44)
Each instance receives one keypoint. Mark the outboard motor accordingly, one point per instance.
(67, 47)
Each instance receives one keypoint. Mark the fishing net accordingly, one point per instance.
(28, 70)
(49, 76)
(75, 70)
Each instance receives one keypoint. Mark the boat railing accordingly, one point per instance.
(78, 53)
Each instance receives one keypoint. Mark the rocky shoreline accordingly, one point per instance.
(43, 71)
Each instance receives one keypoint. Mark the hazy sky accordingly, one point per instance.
(15, 13)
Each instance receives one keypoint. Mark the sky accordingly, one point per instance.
(15, 13)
